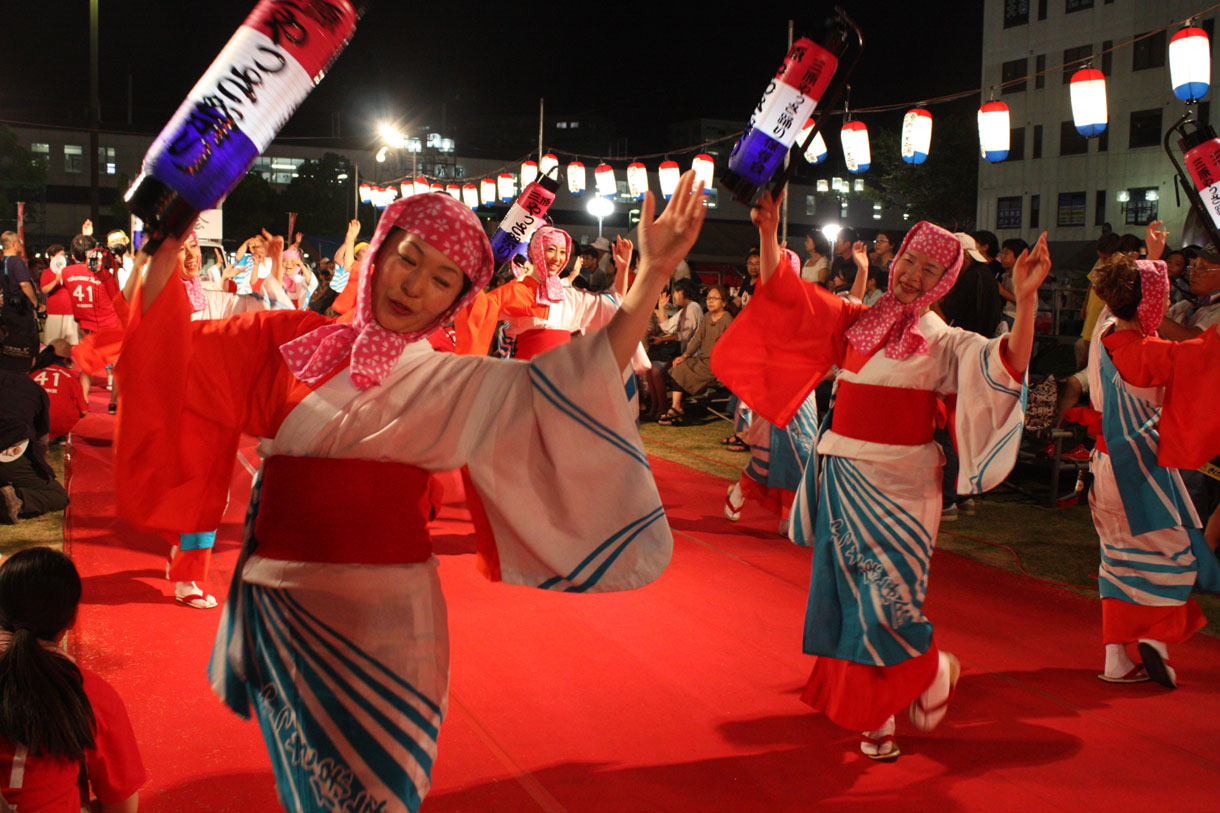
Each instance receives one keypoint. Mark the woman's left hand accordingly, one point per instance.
(1030, 271)
(622, 252)
(859, 253)
(666, 240)
(1155, 238)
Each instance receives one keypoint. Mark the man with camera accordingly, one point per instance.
(19, 309)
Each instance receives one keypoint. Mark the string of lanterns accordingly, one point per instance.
(1190, 78)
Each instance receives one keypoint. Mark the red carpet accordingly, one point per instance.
(681, 696)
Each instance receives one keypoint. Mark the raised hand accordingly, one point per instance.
(765, 213)
(353, 230)
(859, 253)
(275, 245)
(86, 228)
(622, 252)
(662, 300)
(1030, 271)
(666, 240)
(1155, 237)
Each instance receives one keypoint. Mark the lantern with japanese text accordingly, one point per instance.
(1202, 149)
(523, 218)
(576, 178)
(1088, 91)
(454, 191)
(669, 175)
(366, 193)
(420, 184)
(506, 187)
(1190, 64)
(487, 192)
(816, 152)
(994, 131)
(637, 180)
(470, 195)
(916, 135)
(529, 173)
(856, 154)
(548, 165)
(603, 179)
(704, 167)
(786, 104)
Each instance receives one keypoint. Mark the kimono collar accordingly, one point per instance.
(441, 222)
(894, 324)
(550, 288)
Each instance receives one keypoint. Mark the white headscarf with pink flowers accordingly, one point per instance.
(550, 289)
(1154, 288)
(440, 221)
(895, 324)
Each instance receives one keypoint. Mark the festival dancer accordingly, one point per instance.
(334, 628)
(875, 512)
(778, 457)
(1153, 553)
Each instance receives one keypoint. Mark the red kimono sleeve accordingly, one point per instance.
(189, 390)
(346, 300)
(782, 344)
(476, 323)
(1190, 421)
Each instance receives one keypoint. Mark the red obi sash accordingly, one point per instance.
(897, 415)
(535, 342)
(373, 512)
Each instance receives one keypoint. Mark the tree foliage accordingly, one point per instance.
(18, 169)
(943, 189)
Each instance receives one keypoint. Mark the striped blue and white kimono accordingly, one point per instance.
(347, 666)
(873, 516)
(779, 457)
(1152, 548)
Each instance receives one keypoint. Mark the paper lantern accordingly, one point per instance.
(366, 193)
(470, 195)
(487, 191)
(529, 173)
(816, 153)
(669, 175)
(576, 178)
(391, 194)
(704, 166)
(407, 189)
(436, 187)
(637, 180)
(603, 179)
(994, 131)
(1190, 64)
(420, 184)
(1088, 92)
(506, 187)
(454, 191)
(548, 164)
(916, 135)
(856, 155)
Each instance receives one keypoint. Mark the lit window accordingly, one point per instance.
(573, 125)
(811, 206)
(561, 125)
(74, 158)
(106, 161)
(1008, 213)
(1071, 208)
(42, 152)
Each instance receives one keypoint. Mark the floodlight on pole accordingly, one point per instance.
(601, 208)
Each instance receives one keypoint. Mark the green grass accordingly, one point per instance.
(45, 531)
(1058, 545)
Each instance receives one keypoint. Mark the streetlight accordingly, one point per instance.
(600, 208)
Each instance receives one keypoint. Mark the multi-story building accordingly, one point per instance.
(1055, 179)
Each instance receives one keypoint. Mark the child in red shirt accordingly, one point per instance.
(68, 404)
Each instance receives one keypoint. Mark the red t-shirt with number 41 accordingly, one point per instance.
(92, 297)
(67, 397)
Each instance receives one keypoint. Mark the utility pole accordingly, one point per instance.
(95, 114)
(541, 108)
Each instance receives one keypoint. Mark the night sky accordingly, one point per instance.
(644, 66)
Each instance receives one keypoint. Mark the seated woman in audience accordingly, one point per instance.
(55, 717)
(692, 371)
(1153, 551)
(673, 334)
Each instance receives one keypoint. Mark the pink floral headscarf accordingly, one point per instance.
(895, 324)
(443, 223)
(193, 285)
(1154, 287)
(550, 290)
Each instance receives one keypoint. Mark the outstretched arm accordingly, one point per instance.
(859, 253)
(1028, 273)
(622, 262)
(765, 215)
(664, 241)
(1155, 238)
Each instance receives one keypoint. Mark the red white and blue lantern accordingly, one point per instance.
(704, 166)
(487, 192)
(916, 135)
(548, 165)
(523, 218)
(856, 152)
(1190, 64)
(576, 178)
(786, 104)
(669, 175)
(1088, 92)
(637, 180)
(603, 179)
(816, 153)
(506, 187)
(421, 185)
(366, 193)
(470, 195)
(994, 131)
(529, 173)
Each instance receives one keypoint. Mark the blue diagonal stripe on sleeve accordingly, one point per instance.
(985, 363)
(627, 534)
(552, 393)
